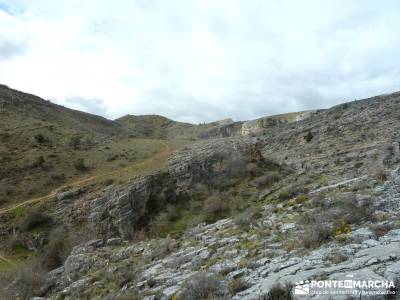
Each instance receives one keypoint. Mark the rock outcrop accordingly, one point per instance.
(230, 253)
(255, 127)
(123, 211)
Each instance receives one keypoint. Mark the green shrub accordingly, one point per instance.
(309, 136)
(80, 165)
(40, 138)
(108, 182)
(111, 156)
(34, 220)
(75, 142)
(301, 199)
(342, 227)
(58, 177)
(215, 208)
(58, 248)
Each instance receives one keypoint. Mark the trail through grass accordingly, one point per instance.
(140, 168)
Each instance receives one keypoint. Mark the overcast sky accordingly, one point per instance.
(200, 60)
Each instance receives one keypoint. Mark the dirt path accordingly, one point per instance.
(5, 259)
(160, 157)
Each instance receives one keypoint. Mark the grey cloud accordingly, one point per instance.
(207, 60)
(10, 49)
(184, 108)
(94, 106)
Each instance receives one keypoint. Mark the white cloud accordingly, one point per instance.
(200, 60)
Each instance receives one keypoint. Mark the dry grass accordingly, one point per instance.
(202, 286)
(22, 283)
(316, 235)
(237, 285)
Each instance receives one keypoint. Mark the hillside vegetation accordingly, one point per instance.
(159, 127)
(240, 210)
(44, 146)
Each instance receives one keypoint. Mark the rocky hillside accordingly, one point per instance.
(246, 212)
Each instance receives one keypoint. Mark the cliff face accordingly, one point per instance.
(122, 212)
(261, 125)
(229, 128)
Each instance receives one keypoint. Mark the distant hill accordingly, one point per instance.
(20, 109)
(44, 145)
(159, 127)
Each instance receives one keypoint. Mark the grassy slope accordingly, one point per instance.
(112, 152)
(31, 167)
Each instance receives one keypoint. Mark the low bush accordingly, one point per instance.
(266, 180)
(111, 157)
(316, 235)
(337, 257)
(285, 195)
(342, 227)
(38, 162)
(80, 165)
(39, 138)
(354, 212)
(108, 182)
(75, 142)
(292, 191)
(58, 248)
(237, 285)
(246, 218)
(202, 286)
(309, 136)
(161, 249)
(215, 208)
(379, 174)
(280, 291)
(58, 177)
(301, 199)
(15, 247)
(34, 220)
(381, 229)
